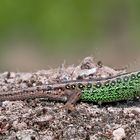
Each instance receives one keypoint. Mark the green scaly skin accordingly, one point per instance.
(124, 87)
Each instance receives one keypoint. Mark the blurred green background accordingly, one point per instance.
(43, 34)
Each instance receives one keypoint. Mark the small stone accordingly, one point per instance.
(12, 75)
(5, 74)
(6, 104)
(2, 117)
(45, 118)
(87, 72)
(136, 111)
(26, 76)
(4, 88)
(27, 135)
(93, 137)
(11, 81)
(23, 85)
(47, 138)
(111, 109)
(19, 126)
(119, 134)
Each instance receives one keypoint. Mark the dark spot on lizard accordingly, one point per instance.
(106, 83)
(81, 86)
(73, 86)
(133, 77)
(98, 84)
(89, 85)
(119, 80)
(67, 86)
(113, 83)
(126, 78)
(138, 74)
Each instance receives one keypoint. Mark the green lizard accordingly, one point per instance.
(121, 87)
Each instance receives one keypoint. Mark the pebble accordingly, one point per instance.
(19, 126)
(87, 72)
(136, 111)
(12, 74)
(119, 134)
(26, 76)
(28, 134)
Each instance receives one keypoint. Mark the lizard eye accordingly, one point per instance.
(138, 74)
(98, 84)
(133, 76)
(126, 78)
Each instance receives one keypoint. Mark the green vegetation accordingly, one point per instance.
(65, 19)
(65, 27)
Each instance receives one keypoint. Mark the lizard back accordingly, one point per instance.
(123, 87)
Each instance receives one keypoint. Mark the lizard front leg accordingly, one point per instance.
(73, 96)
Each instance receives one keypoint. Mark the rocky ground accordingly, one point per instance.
(40, 119)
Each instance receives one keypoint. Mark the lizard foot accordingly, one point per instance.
(69, 107)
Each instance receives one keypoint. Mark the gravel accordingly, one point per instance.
(44, 120)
